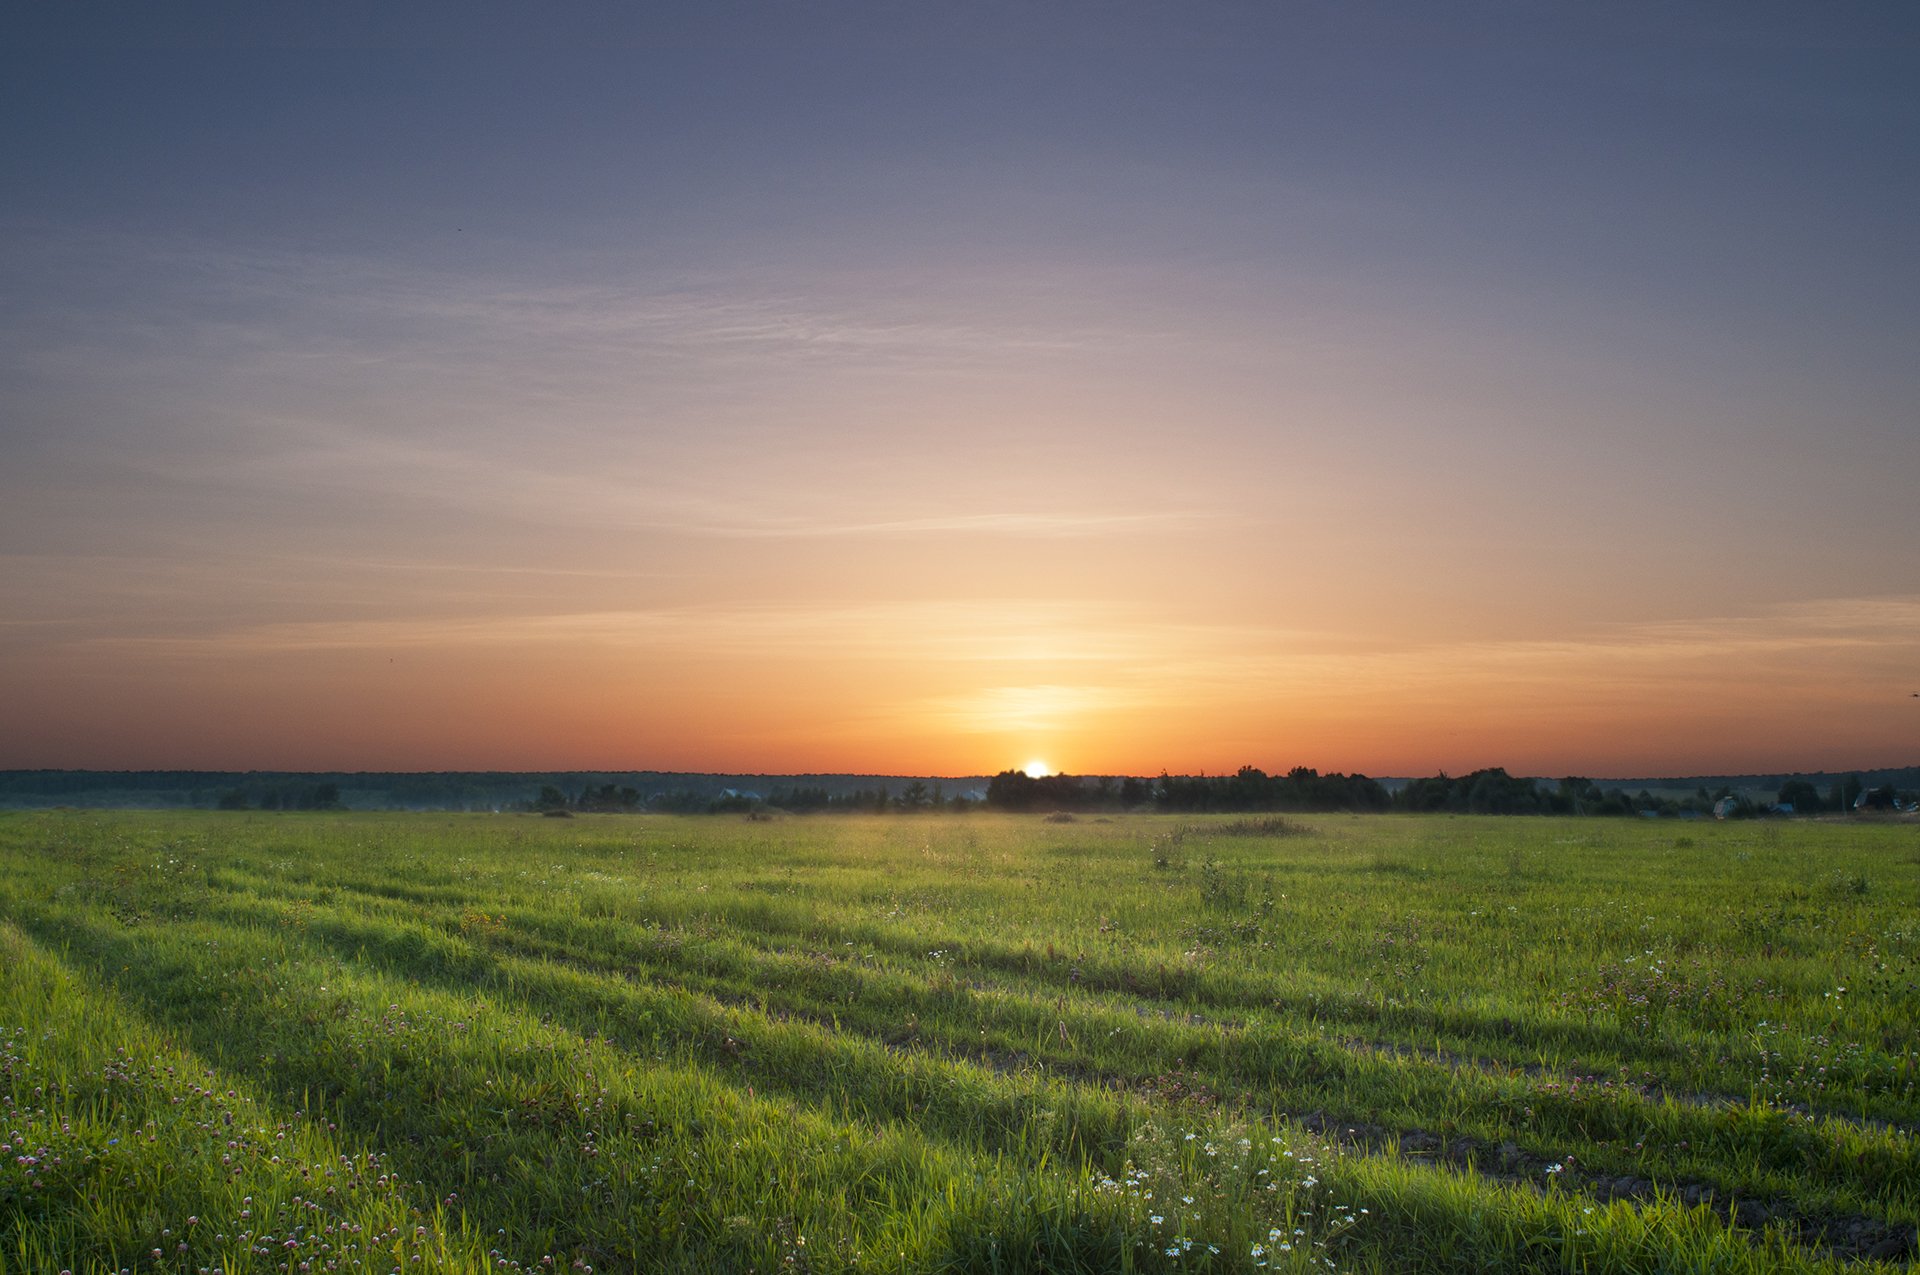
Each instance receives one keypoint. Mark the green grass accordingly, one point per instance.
(388, 1042)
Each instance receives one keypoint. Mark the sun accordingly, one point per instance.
(1037, 769)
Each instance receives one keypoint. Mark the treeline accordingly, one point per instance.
(1482, 792)
(917, 795)
(1300, 790)
(610, 799)
(204, 789)
(1490, 791)
(438, 790)
(1495, 792)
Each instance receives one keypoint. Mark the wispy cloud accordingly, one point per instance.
(988, 630)
(1842, 651)
(1078, 632)
(1041, 525)
(685, 408)
(355, 310)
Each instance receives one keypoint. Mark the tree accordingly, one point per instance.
(1011, 790)
(1574, 794)
(1801, 795)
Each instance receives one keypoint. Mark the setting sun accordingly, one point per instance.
(1037, 769)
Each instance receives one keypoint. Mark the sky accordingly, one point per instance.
(923, 389)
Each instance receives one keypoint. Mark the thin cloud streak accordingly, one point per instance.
(348, 308)
(324, 457)
(1015, 629)
(1047, 525)
(1597, 662)
(561, 405)
(982, 631)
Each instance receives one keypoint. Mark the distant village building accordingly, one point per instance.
(1877, 799)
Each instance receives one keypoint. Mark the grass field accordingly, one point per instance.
(422, 1042)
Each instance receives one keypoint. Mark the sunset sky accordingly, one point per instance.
(927, 388)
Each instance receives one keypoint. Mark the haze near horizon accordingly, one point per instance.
(890, 390)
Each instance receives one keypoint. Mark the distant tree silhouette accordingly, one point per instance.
(1801, 795)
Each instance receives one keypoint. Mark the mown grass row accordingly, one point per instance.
(1852, 1079)
(646, 1042)
(584, 1151)
(123, 1150)
(1823, 1167)
(1733, 996)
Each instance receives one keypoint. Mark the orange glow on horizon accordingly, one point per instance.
(945, 688)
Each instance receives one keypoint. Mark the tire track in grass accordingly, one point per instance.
(1289, 1019)
(1171, 991)
(1447, 1224)
(1569, 1076)
(351, 1043)
(1327, 1056)
(1030, 997)
(766, 969)
(1853, 1232)
(121, 1148)
(788, 1055)
(1849, 1234)
(1080, 977)
(1652, 1089)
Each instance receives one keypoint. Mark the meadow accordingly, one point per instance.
(370, 1042)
